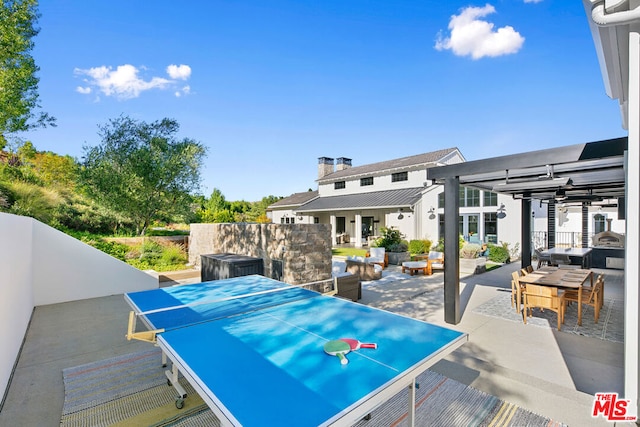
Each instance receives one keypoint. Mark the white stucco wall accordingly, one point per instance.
(66, 269)
(16, 294)
(40, 265)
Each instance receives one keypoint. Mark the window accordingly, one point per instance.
(469, 197)
(282, 220)
(400, 176)
(490, 198)
(339, 185)
(316, 220)
(366, 181)
(441, 200)
(293, 220)
(599, 221)
(491, 227)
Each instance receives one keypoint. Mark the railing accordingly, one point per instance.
(564, 239)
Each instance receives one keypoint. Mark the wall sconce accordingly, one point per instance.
(502, 211)
(432, 213)
(400, 216)
(300, 218)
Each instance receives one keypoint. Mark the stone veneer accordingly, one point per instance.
(305, 249)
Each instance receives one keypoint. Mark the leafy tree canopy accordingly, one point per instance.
(18, 80)
(141, 170)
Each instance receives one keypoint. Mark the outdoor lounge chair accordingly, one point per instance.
(364, 270)
(516, 291)
(435, 260)
(345, 284)
(545, 298)
(378, 256)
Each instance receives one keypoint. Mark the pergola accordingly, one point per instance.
(582, 174)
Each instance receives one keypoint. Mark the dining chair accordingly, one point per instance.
(542, 259)
(545, 298)
(528, 269)
(560, 260)
(594, 297)
(515, 284)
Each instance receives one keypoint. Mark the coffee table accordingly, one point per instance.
(415, 266)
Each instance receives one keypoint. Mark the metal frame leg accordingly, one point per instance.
(411, 411)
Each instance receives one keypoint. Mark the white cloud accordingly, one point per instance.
(184, 91)
(532, 1)
(125, 81)
(179, 72)
(472, 36)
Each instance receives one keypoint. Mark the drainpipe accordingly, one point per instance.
(603, 19)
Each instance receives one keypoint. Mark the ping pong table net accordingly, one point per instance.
(213, 309)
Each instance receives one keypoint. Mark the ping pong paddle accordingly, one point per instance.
(357, 345)
(338, 348)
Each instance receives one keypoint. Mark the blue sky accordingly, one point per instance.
(270, 86)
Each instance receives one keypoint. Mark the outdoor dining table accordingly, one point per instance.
(583, 253)
(560, 278)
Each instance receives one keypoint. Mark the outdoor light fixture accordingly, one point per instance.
(400, 216)
(432, 213)
(502, 211)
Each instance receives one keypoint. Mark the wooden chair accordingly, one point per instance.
(515, 287)
(594, 298)
(528, 269)
(543, 297)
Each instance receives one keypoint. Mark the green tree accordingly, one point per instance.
(141, 170)
(18, 80)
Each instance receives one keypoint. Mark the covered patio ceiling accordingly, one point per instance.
(589, 172)
(581, 174)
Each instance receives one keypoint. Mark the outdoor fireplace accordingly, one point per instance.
(608, 249)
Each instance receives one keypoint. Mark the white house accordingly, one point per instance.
(359, 200)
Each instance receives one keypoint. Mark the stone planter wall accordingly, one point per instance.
(397, 258)
(303, 249)
(473, 265)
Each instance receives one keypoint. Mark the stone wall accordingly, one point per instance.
(303, 249)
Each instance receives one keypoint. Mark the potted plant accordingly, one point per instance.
(470, 260)
(391, 240)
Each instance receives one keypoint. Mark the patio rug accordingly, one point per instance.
(131, 390)
(610, 326)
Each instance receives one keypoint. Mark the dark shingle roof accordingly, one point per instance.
(376, 199)
(295, 200)
(403, 162)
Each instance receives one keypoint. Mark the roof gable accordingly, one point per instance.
(294, 200)
(403, 163)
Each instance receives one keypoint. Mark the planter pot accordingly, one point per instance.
(473, 265)
(397, 258)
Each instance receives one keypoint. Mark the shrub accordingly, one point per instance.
(498, 254)
(419, 246)
(388, 237)
(416, 246)
(470, 250)
(397, 247)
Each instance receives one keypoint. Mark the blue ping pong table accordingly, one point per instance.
(252, 348)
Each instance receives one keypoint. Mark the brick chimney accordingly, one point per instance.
(325, 166)
(343, 163)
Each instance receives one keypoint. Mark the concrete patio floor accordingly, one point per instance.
(548, 372)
